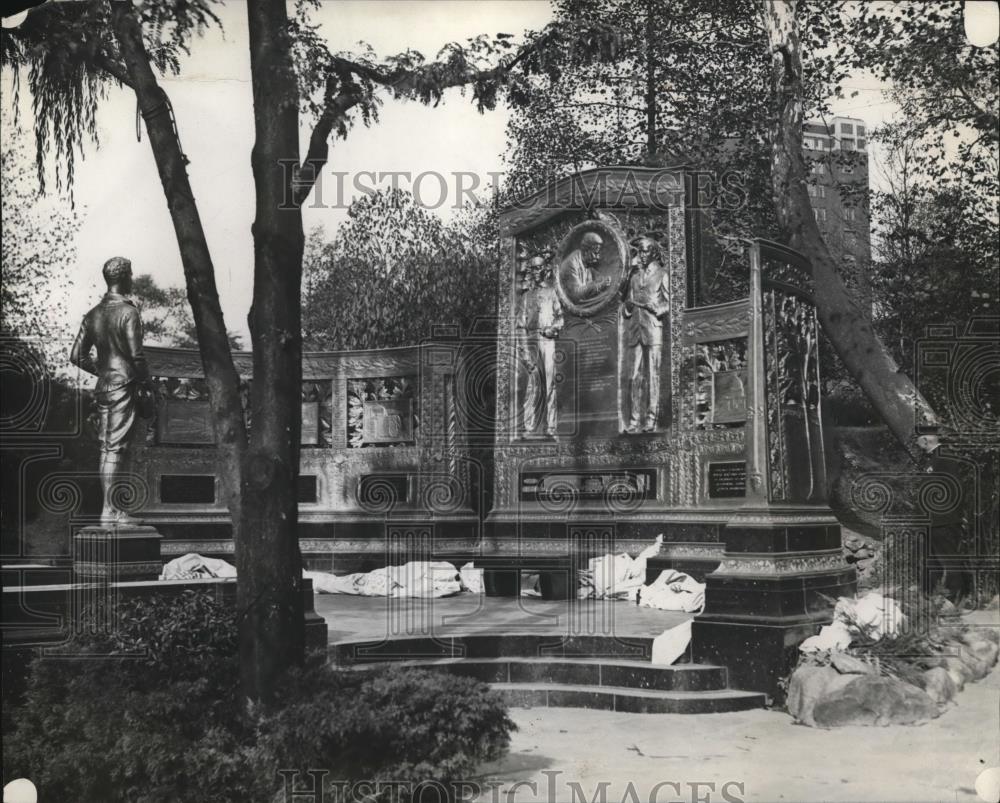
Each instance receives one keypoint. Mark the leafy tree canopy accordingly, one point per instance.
(392, 273)
(166, 315)
(38, 252)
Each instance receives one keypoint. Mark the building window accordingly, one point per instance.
(847, 144)
(862, 144)
(861, 130)
(847, 128)
(819, 169)
(817, 191)
(820, 215)
(850, 213)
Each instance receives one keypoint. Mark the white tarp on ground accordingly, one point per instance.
(607, 577)
(671, 644)
(415, 579)
(872, 615)
(673, 591)
(616, 576)
(623, 577)
(195, 567)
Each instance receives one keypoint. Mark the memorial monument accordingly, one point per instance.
(625, 392)
(109, 346)
(685, 406)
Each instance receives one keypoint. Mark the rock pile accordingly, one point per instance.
(837, 688)
(863, 554)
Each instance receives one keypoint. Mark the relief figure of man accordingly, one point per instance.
(646, 304)
(109, 345)
(540, 320)
(577, 269)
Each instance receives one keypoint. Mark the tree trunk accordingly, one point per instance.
(199, 272)
(893, 395)
(268, 562)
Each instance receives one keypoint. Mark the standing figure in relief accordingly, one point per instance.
(540, 320)
(646, 304)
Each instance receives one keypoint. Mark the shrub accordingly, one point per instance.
(150, 712)
(400, 725)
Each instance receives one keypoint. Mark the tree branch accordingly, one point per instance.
(343, 93)
(115, 69)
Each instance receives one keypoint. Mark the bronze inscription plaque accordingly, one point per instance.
(727, 480)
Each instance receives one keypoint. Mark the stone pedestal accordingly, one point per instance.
(771, 591)
(116, 552)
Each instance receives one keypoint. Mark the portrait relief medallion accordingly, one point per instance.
(591, 265)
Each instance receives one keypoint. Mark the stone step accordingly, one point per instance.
(525, 645)
(591, 672)
(635, 701)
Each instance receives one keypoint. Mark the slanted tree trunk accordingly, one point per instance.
(199, 272)
(891, 392)
(269, 562)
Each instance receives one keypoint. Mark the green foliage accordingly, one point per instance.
(37, 251)
(398, 725)
(392, 273)
(65, 50)
(148, 710)
(136, 711)
(687, 86)
(166, 315)
(937, 259)
(488, 67)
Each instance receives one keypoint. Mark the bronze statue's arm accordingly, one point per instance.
(80, 354)
(133, 340)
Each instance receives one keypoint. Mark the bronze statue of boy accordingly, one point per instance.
(113, 329)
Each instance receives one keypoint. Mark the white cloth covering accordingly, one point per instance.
(671, 644)
(418, 578)
(471, 578)
(872, 615)
(673, 591)
(616, 576)
(193, 566)
(414, 579)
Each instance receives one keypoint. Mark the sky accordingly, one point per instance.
(118, 195)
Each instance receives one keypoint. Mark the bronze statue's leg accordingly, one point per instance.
(654, 358)
(108, 470)
(547, 353)
(635, 387)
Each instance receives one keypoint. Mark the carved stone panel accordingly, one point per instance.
(796, 460)
(387, 421)
(184, 422)
(310, 423)
(381, 411)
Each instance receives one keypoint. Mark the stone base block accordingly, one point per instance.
(775, 585)
(757, 654)
(116, 553)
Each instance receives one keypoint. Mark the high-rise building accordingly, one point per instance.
(837, 149)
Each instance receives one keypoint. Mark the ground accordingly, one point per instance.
(773, 758)
(564, 755)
